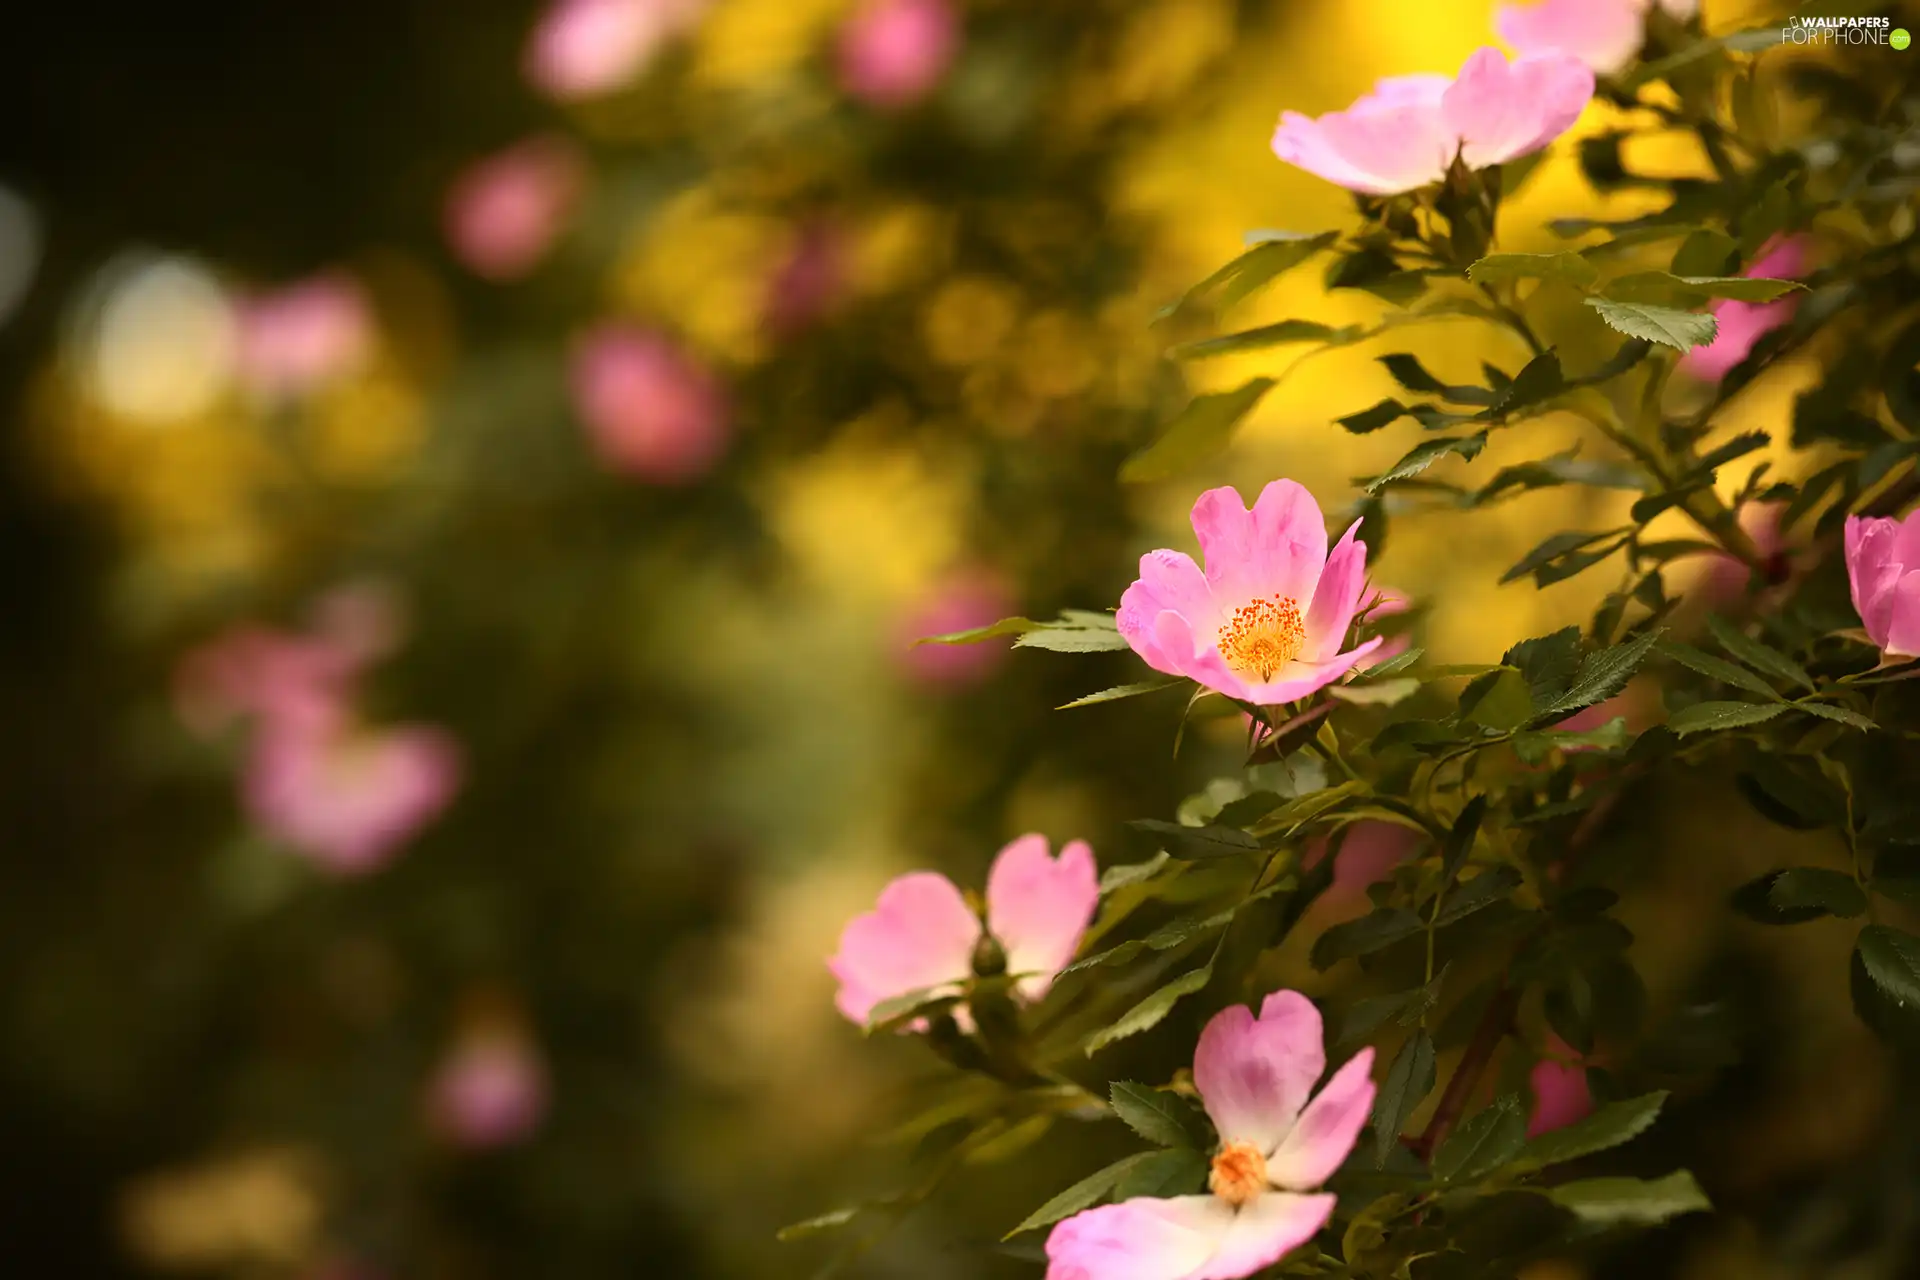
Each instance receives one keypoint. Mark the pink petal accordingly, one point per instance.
(1174, 639)
(1370, 852)
(1336, 598)
(1395, 148)
(1141, 1239)
(1266, 1230)
(1325, 1132)
(894, 52)
(1277, 548)
(652, 410)
(1605, 34)
(1169, 580)
(1039, 907)
(1505, 110)
(1560, 1096)
(920, 934)
(1873, 571)
(1302, 678)
(1254, 1074)
(1903, 632)
(1421, 89)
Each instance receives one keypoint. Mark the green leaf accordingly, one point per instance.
(1608, 1202)
(1193, 843)
(1569, 268)
(909, 1005)
(1149, 1012)
(1374, 418)
(1409, 1080)
(1705, 252)
(1380, 928)
(1886, 981)
(1075, 631)
(1840, 715)
(1284, 333)
(816, 1226)
(1118, 692)
(1258, 266)
(1799, 894)
(1669, 290)
(1176, 1172)
(1161, 1118)
(1603, 674)
(1492, 885)
(1424, 455)
(1196, 434)
(1540, 379)
(1483, 1143)
(1380, 693)
(1083, 1194)
(1553, 548)
(1716, 668)
(1610, 1126)
(1548, 662)
(1681, 330)
(1364, 1017)
(1704, 716)
(974, 635)
(1407, 370)
(1756, 654)
(1131, 873)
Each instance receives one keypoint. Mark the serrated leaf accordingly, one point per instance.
(1716, 668)
(1364, 1017)
(1622, 1201)
(1707, 716)
(1840, 715)
(1175, 1172)
(1408, 1081)
(1553, 548)
(1681, 330)
(1374, 417)
(1425, 454)
(1665, 289)
(1371, 932)
(1610, 1126)
(1118, 692)
(1492, 885)
(1483, 1143)
(1886, 981)
(1075, 631)
(1258, 266)
(1191, 843)
(1569, 268)
(1159, 1117)
(1798, 894)
(1196, 434)
(1149, 1012)
(1603, 674)
(992, 631)
(1757, 654)
(1083, 1194)
(1548, 662)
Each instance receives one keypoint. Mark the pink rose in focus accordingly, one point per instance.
(893, 52)
(922, 933)
(1560, 1092)
(504, 213)
(960, 603)
(583, 48)
(1883, 575)
(294, 340)
(1406, 133)
(491, 1090)
(1742, 324)
(1265, 620)
(1605, 34)
(1279, 1141)
(651, 409)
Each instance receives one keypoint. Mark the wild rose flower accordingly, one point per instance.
(964, 600)
(582, 48)
(505, 212)
(893, 52)
(1406, 133)
(1883, 571)
(1264, 623)
(922, 933)
(1255, 1077)
(1742, 324)
(291, 341)
(491, 1090)
(1368, 855)
(1560, 1092)
(1605, 34)
(651, 409)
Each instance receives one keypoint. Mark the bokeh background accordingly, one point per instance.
(651, 387)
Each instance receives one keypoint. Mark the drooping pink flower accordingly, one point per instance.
(1256, 1077)
(582, 48)
(893, 52)
(967, 599)
(491, 1089)
(651, 409)
(1406, 133)
(1883, 571)
(505, 212)
(346, 796)
(1605, 34)
(922, 933)
(1742, 324)
(1264, 623)
(1560, 1092)
(293, 340)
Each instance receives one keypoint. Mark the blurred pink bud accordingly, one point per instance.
(344, 796)
(1883, 573)
(1406, 133)
(504, 213)
(1604, 34)
(893, 52)
(1742, 324)
(1727, 577)
(1560, 1093)
(293, 340)
(582, 48)
(651, 409)
(809, 282)
(491, 1089)
(1368, 854)
(965, 600)
(258, 672)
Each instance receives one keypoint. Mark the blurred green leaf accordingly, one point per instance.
(1705, 716)
(1569, 268)
(1409, 1080)
(1190, 843)
(1118, 692)
(1424, 455)
(1799, 894)
(1757, 654)
(1176, 1172)
(1621, 1201)
(1669, 290)
(1083, 1194)
(1716, 668)
(1886, 982)
(1380, 693)
(808, 1228)
(1197, 433)
(1610, 1126)
(1379, 928)
(1149, 1012)
(1282, 333)
(1483, 1143)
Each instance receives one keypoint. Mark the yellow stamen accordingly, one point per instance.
(1239, 1173)
(1263, 636)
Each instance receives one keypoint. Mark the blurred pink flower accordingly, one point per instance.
(1406, 133)
(1560, 1093)
(893, 52)
(1605, 34)
(345, 796)
(1726, 577)
(296, 339)
(809, 282)
(1742, 324)
(965, 600)
(1883, 573)
(504, 213)
(582, 48)
(1368, 855)
(651, 409)
(922, 933)
(1264, 623)
(491, 1090)
(1278, 1142)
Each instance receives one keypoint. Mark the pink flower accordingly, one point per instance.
(344, 796)
(1368, 855)
(1742, 324)
(1406, 133)
(1264, 623)
(1883, 570)
(505, 212)
(809, 282)
(1727, 577)
(491, 1090)
(963, 601)
(1605, 34)
(922, 934)
(651, 409)
(1276, 1146)
(893, 52)
(304, 336)
(1560, 1093)
(582, 48)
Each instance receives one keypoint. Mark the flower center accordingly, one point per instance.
(1239, 1173)
(1262, 636)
